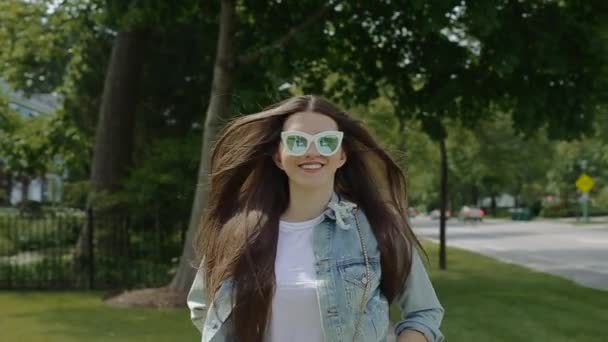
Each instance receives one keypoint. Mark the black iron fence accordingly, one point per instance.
(87, 251)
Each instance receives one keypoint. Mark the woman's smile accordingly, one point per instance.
(311, 167)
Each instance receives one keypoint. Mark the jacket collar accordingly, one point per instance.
(341, 211)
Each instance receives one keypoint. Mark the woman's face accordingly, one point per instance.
(310, 170)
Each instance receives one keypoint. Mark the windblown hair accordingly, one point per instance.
(248, 194)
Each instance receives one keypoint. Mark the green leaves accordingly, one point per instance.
(36, 45)
(24, 144)
(162, 184)
(544, 62)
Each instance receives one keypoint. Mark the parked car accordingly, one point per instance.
(471, 214)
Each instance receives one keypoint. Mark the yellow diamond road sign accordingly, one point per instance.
(584, 183)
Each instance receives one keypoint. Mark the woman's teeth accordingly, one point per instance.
(311, 166)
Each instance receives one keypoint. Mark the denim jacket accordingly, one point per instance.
(340, 267)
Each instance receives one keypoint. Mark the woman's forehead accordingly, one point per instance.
(309, 122)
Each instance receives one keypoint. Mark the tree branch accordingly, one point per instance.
(252, 56)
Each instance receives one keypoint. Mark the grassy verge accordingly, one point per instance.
(487, 300)
(72, 317)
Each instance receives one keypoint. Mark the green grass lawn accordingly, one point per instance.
(485, 301)
(71, 317)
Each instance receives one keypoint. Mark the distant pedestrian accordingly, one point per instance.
(305, 236)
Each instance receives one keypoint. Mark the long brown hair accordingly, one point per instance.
(248, 194)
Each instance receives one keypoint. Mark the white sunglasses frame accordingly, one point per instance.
(310, 139)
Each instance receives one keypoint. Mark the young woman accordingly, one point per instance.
(305, 236)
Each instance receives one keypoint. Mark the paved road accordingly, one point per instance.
(577, 252)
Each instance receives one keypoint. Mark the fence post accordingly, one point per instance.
(90, 248)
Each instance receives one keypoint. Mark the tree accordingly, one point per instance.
(229, 61)
(174, 73)
(492, 158)
(449, 60)
(33, 54)
(445, 60)
(113, 151)
(469, 60)
(588, 155)
(25, 147)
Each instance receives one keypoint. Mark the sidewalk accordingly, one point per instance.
(562, 247)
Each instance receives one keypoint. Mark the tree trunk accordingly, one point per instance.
(224, 72)
(443, 204)
(9, 188)
(5, 185)
(43, 187)
(114, 134)
(25, 189)
(475, 195)
(517, 193)
(112, 155)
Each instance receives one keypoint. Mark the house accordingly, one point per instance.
(502, 201)
(49, 187)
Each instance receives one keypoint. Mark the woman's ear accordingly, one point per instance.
(276, 157)
(343, 158)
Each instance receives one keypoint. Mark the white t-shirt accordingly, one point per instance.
(296, 316)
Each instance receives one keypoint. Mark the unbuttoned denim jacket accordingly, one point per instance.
(340, 267)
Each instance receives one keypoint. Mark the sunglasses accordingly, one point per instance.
(297, 143)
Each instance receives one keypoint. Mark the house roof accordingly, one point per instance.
(38, 103)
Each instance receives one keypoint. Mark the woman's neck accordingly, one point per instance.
(306, 204)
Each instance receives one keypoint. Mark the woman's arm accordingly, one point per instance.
(197, 300)
(421, 312)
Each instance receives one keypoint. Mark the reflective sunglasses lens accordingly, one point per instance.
(296, 144)
(329, 144)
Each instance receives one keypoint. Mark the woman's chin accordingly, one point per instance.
(311, 182)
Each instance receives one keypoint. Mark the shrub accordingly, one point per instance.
(571, 211)
(35, 234)
(75, 194)
(47, 273)
(31, 208)
(7, 246)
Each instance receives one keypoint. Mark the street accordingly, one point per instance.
(575, 251)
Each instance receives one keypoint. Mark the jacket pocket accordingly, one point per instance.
(353, 272)
(354, 278)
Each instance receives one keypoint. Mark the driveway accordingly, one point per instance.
(574, 251)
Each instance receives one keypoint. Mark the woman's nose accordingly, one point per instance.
(312, 151)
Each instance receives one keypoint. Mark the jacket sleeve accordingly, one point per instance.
(419, 305)
(197, 300)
